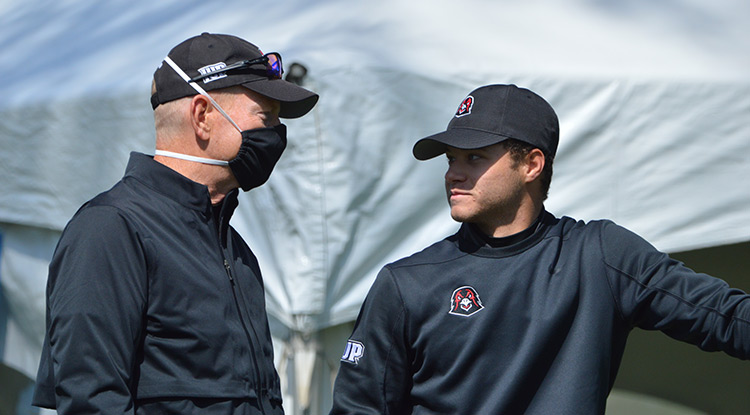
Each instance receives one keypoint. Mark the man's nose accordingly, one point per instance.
(454, 173)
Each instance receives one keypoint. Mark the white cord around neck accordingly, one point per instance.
(188, 157)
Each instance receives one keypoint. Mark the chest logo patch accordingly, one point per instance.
(465, 301)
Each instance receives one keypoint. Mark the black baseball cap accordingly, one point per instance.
(492, 114)
(209, 53)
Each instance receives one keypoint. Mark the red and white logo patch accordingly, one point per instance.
(465, 107)
(465, 301)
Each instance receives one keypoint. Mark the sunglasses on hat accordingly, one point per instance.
(271, 60)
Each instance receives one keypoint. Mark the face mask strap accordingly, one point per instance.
(188, 157)
(200, 90)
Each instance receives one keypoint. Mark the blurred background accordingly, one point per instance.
(654, 107)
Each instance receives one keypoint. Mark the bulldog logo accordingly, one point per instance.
(465, 107)
(465, 301)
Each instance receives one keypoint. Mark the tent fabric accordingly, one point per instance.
(348, 197)
(24, 256)
(653, 101)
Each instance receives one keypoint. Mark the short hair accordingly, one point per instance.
(519, 150)
(172, 117)
(169, 119)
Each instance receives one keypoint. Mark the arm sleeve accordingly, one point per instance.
(376, 379)
(656, 292)
(96, 299)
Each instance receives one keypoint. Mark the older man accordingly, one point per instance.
(155, 304)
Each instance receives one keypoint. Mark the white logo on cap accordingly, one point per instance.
(213, 68)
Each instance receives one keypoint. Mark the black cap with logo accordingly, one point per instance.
(492, 114)
(230, 61)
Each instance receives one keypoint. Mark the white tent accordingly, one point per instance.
(653, 99)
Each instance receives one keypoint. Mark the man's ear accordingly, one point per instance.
(199, 108)
(534, 164)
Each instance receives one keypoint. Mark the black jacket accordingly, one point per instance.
(531, 326)
(156, 305)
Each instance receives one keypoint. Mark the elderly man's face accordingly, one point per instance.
(249, 110)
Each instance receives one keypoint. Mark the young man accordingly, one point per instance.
(519, 312)
(155, 304)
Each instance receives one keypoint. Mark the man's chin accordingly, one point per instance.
(459, 216)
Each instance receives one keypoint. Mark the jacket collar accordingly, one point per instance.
(173, 185)
(470, 240)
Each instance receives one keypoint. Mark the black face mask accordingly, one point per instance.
(259, 151)
(261, 148)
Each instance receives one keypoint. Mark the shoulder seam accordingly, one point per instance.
(664, 292)
(401, 319)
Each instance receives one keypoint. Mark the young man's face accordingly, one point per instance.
(484, 186)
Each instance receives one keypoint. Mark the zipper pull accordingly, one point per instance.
(229, 271)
